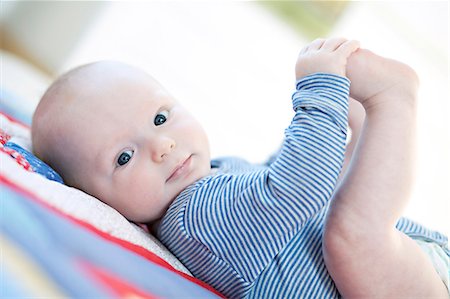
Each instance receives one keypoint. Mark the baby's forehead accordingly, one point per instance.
(110, 70)
(94, 81)
(104, 90)
(101, 75)
(96, 87)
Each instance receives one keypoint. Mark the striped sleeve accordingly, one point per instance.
(305, 173)
(239, 222)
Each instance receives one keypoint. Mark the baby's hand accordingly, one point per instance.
(325, 56)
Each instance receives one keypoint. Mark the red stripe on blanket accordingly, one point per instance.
(15, 121)
(125, 244)
(117, 285)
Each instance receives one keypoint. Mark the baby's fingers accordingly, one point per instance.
(332, 44)
(348, 47)
(314, 45)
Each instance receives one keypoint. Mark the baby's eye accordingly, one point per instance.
(124, 157)
(161, 117)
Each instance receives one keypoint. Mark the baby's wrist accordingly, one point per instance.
(316, 80)
(328, 93)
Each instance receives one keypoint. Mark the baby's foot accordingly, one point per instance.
(376, 78)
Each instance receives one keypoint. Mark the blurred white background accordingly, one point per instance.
(232, 63)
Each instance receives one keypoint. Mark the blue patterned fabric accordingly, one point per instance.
(36, 164)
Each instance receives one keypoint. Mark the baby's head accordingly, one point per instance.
(114, 132)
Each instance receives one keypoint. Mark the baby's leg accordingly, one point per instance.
(356, 116)
(364, 253)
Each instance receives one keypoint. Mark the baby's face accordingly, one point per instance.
(135, 147)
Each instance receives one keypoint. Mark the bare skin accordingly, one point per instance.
(356, 115)
(325, 56)
(364, 253)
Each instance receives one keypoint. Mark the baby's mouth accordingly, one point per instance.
(181, 169)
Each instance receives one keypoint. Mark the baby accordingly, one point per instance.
(280, 230)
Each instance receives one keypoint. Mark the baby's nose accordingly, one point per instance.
(163, 147)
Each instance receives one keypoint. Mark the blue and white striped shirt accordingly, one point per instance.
(255, 230)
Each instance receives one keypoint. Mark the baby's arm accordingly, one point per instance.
(364, 253)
